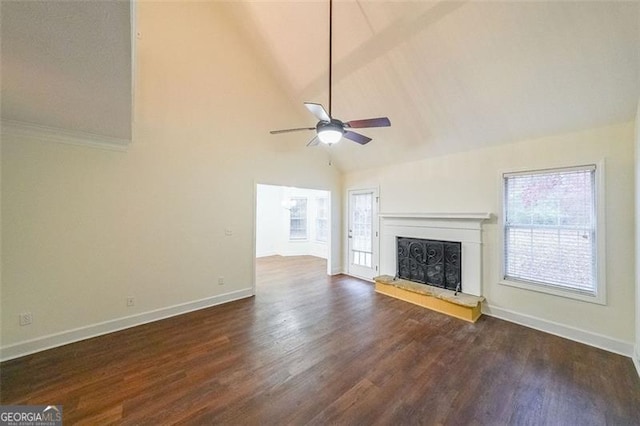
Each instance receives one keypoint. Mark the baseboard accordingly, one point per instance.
(337, 270)
(267, 254)
(636, 359)
(82, 333)
(587, 337)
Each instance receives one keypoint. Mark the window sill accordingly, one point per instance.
(598, 299)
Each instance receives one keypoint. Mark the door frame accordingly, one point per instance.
(331, 259)
(375, 223)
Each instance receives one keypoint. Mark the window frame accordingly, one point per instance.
(599, 296)
(306, 218)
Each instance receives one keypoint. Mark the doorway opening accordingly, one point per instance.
(292, 225)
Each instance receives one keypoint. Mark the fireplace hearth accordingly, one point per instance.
(433, 262)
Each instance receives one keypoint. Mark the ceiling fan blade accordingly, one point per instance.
(318, 110)
(275, 132)
(369, 122)
(313, 142)
(356, 137)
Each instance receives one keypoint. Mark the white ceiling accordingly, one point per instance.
(452, 76)
(67, 65)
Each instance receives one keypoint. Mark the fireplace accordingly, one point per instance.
(440, 227)
(432, 262)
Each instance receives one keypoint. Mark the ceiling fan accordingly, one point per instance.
(330, 130)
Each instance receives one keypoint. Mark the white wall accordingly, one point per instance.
(273, 222)
(1, 258)
(470, 182)
(269, 213)
(86, 228)
(637, 263)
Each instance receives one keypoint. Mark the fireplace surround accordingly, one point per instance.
(463, 228)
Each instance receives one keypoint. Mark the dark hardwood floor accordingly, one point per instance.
(311, 349)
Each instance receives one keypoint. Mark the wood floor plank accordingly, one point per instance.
(313, 349)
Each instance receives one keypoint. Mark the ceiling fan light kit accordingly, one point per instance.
(330, 130)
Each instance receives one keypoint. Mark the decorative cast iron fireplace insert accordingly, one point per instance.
(432, 262)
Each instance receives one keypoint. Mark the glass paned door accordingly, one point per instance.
(363, 217)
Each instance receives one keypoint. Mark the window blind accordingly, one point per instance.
(298, 219)
(550, 228)
(322, 230)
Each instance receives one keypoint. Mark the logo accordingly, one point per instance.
(30, 415)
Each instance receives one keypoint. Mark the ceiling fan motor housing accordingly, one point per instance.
(334, 124)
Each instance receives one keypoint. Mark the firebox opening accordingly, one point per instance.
(432, 262)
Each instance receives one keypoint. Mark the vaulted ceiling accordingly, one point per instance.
(451, 76)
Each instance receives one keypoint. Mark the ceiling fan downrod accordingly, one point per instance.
(330, 52)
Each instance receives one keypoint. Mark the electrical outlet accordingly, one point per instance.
(26, 318)
(220, 280)
(131, 301)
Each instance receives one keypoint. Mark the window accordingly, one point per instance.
(551, 231)
(322, 230)
(298, 219)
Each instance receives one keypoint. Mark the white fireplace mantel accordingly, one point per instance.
(465, 228)
(448, 216)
